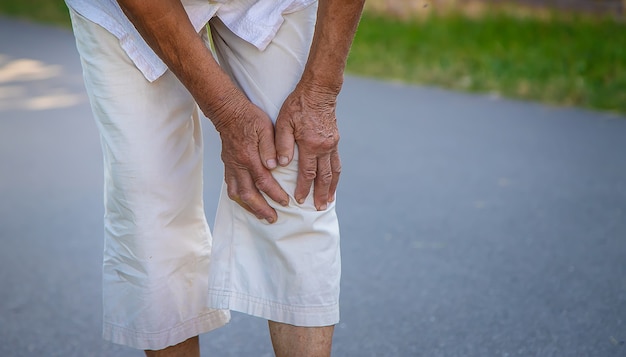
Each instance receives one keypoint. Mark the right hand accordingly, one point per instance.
(248, 153)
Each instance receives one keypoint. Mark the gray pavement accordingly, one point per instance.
(472, 225)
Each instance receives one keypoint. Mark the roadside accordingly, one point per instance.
(559, 59)
(516, 51)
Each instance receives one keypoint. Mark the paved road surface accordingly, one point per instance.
(472, 226)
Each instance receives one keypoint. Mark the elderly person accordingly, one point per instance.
(270, 89)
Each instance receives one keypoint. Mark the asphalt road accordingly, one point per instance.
(472, 225)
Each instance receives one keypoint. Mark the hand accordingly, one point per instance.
(249, 154)
(307, 118)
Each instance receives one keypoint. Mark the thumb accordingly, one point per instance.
(285, 140)
(267, 150)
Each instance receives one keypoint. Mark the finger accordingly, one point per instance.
(335, 166)
(267, 150)
(307, 170)
(322, 182)
(233, 194)
(250, 197)
(285, 140)
(265, 182)
(247, 208)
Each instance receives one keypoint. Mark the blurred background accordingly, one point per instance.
(482, 201)
(563, 52)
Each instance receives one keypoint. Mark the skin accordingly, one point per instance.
(188, 348)
(251, 145)
(307, 117)
(247, 133)
(293, 341)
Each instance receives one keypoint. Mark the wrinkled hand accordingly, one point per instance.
(248, 153)
(307, 118)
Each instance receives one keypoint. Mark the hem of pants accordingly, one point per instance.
(162, 339)
(303, 316)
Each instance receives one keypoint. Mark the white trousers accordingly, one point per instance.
(165, 278)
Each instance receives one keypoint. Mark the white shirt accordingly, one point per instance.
(255, 21)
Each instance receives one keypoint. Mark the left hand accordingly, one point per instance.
(307, 118)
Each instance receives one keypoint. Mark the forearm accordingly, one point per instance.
(336, 25)
(167, 29)
(247, 133)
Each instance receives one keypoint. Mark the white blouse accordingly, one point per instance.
(255, 21)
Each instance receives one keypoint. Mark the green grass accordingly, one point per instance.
(45, 11)
(570, 60)
(567, 60)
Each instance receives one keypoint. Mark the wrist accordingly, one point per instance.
(321, 82)
(225, 108)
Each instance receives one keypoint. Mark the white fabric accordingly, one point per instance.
(161, 275)
(255, 21)
(157, 242)
(288, 271)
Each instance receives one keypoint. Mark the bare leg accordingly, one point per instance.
(293, 341)
(188, 348)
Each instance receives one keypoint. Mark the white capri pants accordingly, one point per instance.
(165, 279)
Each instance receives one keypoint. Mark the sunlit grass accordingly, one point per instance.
(45, 11)
(566, 60)
(563, 59)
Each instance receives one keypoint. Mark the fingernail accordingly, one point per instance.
(284, 203)
(322, 207)
(284, 160)
(331, 198)
(270, 220)
(271, 163)
(300, 200)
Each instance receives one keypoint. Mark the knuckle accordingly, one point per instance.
(262, 182)
(235, 155)
(243, 160)
(325, 178)
(322, 145)
(232, 193)
(246, 196)
(309, 174)
(320, 140)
